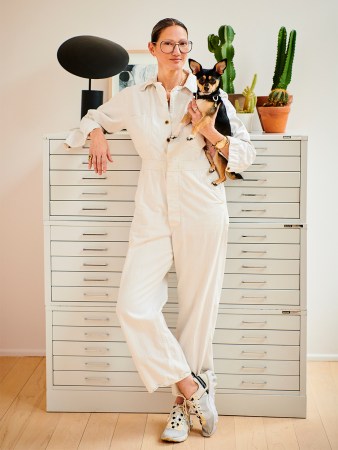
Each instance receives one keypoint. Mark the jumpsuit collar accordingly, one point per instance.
(190, 83)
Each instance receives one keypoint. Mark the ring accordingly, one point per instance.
(90, 157)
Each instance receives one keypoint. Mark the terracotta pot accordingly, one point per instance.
(273, 118)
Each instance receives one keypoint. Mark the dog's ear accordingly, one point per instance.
(221, 66)
(194, 66)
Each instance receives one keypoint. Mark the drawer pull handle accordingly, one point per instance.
(95, 249)
(253, 195)
(101, 319)
(254, 337)
(253, 353)
(97, 349)
(98, 379)
(253, 368)
(253, 298)
(253, 282)
(254, 251)
(93, 334)
(94, 234)
(94, 178)
(248, 322)
(253, 236)
(256, 180)
(95, 265)
(251, 210)
(254, 267)
(94, 209)
(94, 193)
(95, 279)
(258, 383)
(261, 148)
(255, 164)
(86, 294)
(97, 364)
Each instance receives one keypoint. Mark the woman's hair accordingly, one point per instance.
(162, 24)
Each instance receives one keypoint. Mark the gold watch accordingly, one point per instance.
(222, 143)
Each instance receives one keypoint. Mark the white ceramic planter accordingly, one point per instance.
(246, 119)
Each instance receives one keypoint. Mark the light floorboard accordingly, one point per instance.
(25, 425)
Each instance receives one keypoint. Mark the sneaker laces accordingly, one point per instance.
(178, 413)
(195, 406)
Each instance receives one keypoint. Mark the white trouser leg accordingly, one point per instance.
(200, 254)
(156, 353)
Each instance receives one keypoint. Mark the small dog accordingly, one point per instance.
(209, 103)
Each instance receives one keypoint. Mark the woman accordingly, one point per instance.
(179, 216)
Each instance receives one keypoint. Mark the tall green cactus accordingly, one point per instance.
(221, 46)
(283, 69)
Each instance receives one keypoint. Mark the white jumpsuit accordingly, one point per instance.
(179, 217)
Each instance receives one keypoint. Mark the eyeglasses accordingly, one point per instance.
(169, 46)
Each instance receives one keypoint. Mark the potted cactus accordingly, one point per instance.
(221, 46)
(245, 109)
(273, 111)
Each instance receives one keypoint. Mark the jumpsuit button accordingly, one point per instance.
(166, 122)
(168, 139)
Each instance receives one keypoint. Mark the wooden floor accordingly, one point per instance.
(25, 425)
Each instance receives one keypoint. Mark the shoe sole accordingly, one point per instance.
(180, 439)
(211, 387)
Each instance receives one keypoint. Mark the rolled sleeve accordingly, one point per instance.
(110, 117)
(241, 151)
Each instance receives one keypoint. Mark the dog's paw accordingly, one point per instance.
(190, 138)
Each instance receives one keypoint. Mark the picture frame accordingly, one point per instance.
(141, 67)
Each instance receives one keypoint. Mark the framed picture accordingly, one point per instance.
(141, 67)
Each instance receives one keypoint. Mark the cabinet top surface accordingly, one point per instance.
(256, 136)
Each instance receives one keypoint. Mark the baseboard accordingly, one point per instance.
(322, 357)
(22, 352)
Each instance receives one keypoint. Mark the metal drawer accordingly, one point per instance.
(290, 148)
(69, 333)
(80, 162)
(258, 382)
(247, 367)
(108, 379)
(86, 279)
(89, 233)
(84, 294)
(90, 178)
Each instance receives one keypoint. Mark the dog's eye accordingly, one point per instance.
(212, 81)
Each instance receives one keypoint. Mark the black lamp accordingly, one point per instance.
(92, 57)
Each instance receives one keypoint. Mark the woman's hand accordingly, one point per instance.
(98, 152)
(208, 131)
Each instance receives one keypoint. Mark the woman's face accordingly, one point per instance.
(176, 59)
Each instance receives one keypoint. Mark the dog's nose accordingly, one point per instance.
(206, 87)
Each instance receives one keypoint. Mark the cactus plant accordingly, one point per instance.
(250, 98)
(283, 69)
(221, 46)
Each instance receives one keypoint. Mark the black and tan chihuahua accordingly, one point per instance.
(209, 103)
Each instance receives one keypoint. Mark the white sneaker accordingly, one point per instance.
(202, 402)
(178, 424)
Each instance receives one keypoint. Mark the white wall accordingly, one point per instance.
(38, 97)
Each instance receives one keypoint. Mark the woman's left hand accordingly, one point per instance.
(196, 116)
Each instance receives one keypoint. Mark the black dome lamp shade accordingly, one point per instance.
(92, 57)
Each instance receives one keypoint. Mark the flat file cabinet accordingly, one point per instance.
(260, 337)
